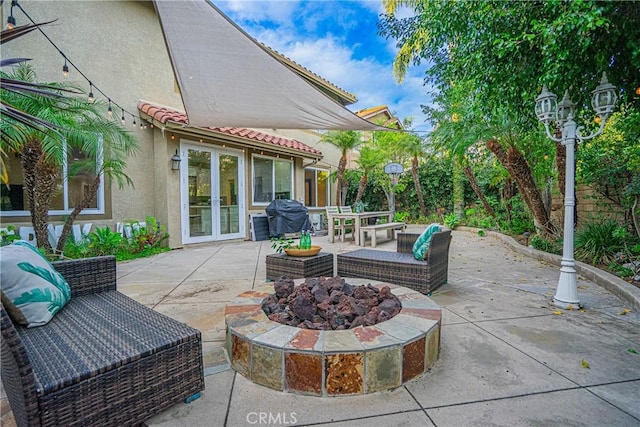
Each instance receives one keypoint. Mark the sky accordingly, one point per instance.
(339, 41)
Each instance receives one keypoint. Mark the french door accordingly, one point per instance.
(212, 194)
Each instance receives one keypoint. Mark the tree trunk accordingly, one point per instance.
(476, 189)
(84, 203)
(361, 186)
(342, 164)
(507, 195)
(39, 180)
(416, 183)
(519, 170)
(634, 216)
(458, 188)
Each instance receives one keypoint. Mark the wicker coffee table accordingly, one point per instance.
(320, 265)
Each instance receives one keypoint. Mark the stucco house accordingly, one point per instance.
(223, 175)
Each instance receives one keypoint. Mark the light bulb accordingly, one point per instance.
(65, 70)
(11, 23)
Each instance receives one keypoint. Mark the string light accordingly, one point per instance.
(65, 69)
(122, 118)
(11, 23)
(91, 98)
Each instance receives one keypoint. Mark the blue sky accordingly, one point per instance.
(339, 41)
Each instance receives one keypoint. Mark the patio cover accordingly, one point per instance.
(227, 78)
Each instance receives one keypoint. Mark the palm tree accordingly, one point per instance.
(79, 125)
(345, 140)
(9, 111)
(370, 159)
(414, 146)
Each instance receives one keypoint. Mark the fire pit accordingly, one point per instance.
(363, 359)
(329, 303)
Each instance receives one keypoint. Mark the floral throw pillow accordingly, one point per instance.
(421, 246)
(32, 290)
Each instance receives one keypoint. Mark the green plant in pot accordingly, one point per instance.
(281, 243)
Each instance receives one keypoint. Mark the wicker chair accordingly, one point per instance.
(103, 360)
(401, 267)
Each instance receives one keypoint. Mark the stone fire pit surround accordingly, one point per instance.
(333, 363)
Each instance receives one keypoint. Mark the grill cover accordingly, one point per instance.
(287, 216)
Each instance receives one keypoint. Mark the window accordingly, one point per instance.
(73, 184)
(316, 187)
(272, 179)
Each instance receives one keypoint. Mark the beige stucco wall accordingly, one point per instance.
(119, 46)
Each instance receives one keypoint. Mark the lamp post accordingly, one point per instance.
(393, 170)
(562, 114)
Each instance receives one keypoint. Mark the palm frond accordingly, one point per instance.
(8, 35)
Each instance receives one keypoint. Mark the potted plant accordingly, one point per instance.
(281, 243)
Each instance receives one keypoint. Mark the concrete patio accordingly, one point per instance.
(508, 357)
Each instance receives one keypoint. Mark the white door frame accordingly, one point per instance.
(216, 152)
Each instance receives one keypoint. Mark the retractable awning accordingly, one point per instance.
(227, 78)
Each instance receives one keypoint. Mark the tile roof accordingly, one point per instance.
(372, 112)
(166, 114)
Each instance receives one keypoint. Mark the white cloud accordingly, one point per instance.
(329, 56)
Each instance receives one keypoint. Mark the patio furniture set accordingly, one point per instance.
(398, 267)
(342, 219)
(104, 359)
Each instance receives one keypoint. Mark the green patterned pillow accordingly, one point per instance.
(421, 246)
(32, 290)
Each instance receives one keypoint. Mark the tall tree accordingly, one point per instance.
(79, 126)
(414, 147)
(508, 49)
(502, 52)
(370, 159)
(345, 140)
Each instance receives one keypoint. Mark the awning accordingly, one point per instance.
(227, 78)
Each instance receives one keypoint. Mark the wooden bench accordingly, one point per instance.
(389, 226)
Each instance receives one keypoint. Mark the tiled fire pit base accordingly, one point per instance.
(331, 363)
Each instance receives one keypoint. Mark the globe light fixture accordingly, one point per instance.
(549, 111)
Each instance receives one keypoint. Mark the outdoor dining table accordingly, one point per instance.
(357, 219)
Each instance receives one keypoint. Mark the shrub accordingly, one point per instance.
(9, 235)
(451, 220)
(401, 216)
(103, 241)
(149, 236)
(552, 247)
(597, 242)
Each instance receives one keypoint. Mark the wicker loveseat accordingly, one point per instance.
(401, 267)
(104, 359)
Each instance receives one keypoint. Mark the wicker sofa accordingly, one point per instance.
(401, 267)
(103, 360)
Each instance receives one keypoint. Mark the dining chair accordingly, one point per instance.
(337, 223)
(347, 223)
